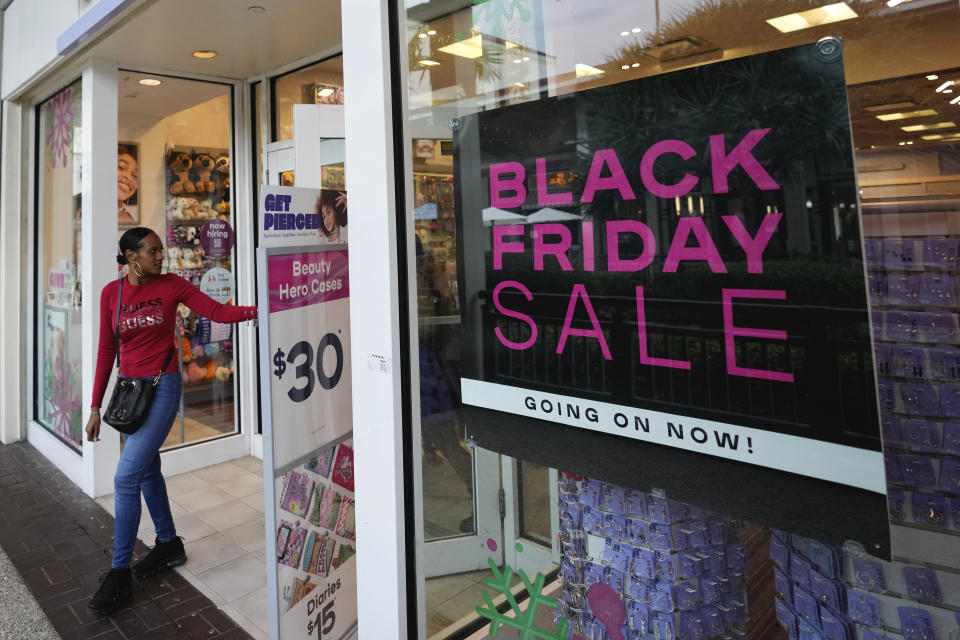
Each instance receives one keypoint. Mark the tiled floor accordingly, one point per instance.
(219, 513)
(450, 598)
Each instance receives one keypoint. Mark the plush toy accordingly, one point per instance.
(205, 210)
(185, 350)
(223, 208)
(202, 167)
(187, 321)
(174, 259)
(222, 175)
(192, 258)
(198, 349)
(210, 369)
(223, 374)
(183, 234)
(191, 208)
(195, 373)
(179, 164)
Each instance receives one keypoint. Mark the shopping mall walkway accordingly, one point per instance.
(59, 540)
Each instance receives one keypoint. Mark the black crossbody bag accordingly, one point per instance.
(130, 401)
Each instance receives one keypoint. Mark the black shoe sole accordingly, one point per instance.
(169, 564)
(112, 608)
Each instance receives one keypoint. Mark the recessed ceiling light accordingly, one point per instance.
(890, 106)
(893, 3)
(517, 61)
(624, 33)
(903, 115)
(932, 136)
(624, 66)
(929, 127)
(947, 91)
(812, 18)
(932, 76)
(585, 70)
(469, 48)
(526, 58)
(635, 65)
(150, 82)
(326, 91)
(636, 30)
(204, 55)
(422, 36)
(429, 63)
(519, 84)
(945, 85)
(955, 100)
(255, 8)
(432, 32)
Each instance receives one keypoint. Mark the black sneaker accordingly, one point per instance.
(115, 588)
(163, 555)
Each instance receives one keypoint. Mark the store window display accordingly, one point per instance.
(175, 173)
(58, 293)
(763, 581)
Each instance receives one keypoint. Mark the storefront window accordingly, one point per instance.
(320, 83)
(508, 139)
(174, 161)
(58, 402)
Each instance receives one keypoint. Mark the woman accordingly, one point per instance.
(128, 180)
(148, 311)
(332, 207)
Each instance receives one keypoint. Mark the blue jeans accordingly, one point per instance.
(139, 471)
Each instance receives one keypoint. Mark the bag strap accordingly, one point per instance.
(116, 326)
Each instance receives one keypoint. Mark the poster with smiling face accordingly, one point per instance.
(128, 183)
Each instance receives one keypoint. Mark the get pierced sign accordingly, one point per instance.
(689, 269)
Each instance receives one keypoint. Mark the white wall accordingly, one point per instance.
(30, 31)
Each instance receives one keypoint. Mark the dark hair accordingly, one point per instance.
(328, 198)
(131, 239)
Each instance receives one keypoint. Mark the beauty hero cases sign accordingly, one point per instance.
(698, 284)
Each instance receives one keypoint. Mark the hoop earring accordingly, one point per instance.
(137, 269)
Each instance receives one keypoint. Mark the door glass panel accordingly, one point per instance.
(58, 331)
(320, 83)
(535, 502)
(178, 136)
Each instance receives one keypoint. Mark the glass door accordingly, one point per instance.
(531, 518)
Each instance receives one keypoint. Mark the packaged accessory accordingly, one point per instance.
(916, 624)
(929, 509)
(869, 575)
(863, 608)
(922, 584)
(130, 401)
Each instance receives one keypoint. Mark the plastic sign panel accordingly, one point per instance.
(687, 270)
(295, 216)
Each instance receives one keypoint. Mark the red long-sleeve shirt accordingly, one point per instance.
(147, 318)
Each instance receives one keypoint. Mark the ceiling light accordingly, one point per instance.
(947, 91)
(256, 9)
(204, 55)
(624, 66)
(509, 45)
(432, 32)
(932, 76)
(932, 136)
(422, 36)
(470, 48)
(517, 61)
(893, 3)
(929, 127)
(948, 83)
(326, 91)
(624, 33)
(636, 30)
(890, 106)
(519, 84)
(429, 63)
(635, 65)
(955, 100)
(812, 18)
(150, 82)
(526, 58)
(901, 143)
(909, 141)
(585, 70)
(903, 115)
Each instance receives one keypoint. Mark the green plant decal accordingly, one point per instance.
(521, 621)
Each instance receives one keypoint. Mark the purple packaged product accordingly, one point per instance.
(690, 625)
(590, 492)
(892, 464)
(898, 254)
(940, 252)
(635, 503)
(936, 290)
(698, 513)
(637, 532)
(877, 285)
(886, 396)
(881, 354)
(863, 608)
(950, 401)
(950, 476)
(718, 531)
(922, 584)
(869, 575)
(639, 589)
(779, 553)
(917, 470)
(698, 533)
(951, 437)
(638, 617)
(870, 634)
(716, 562)
(690, 565)
(944, 364)
(666, 566)
(688, 595)
(920, 398)
(712, 621)
(902, 325)
(644, 565)
(592, 573)
(955, 512)
(806, 631)
(612, 499)
(896, 503)
(618, 556)
(736, 581)
(663, 597)
(921, 435)
(614, 526)
(800, 570)
(664, 510)
(826, 590)
(592, 521)
(903, 289)
(876, 320)
(805, 603)
(873, 253)
(613, 578)
(736, 556)
(938, 328)
(786, 617)
(782, 584)
(823, 557)
(916, 624)
(890, 427)
(907, 362)
(929, 509)
(664, 627)
(835, 628)
(733, 610)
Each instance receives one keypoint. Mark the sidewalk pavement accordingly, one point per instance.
(58, 540)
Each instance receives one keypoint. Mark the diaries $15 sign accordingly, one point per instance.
(686, 269)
